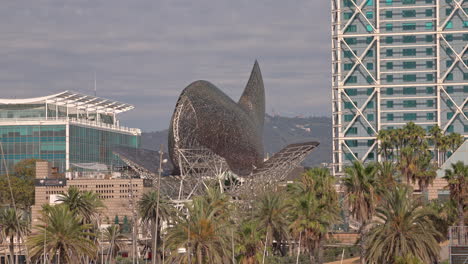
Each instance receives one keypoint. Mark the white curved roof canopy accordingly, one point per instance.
(77, 100)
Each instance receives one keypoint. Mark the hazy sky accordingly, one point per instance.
(146, 52)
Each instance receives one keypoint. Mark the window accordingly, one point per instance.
(409, 77)
(347, 15)
(465, 24)
(408, 13)
(429, 38)
(370, 104)
(449, 37)
(388, 14)
(389, 52)
(351, 41)
(370, 53)
(449, 115)
(351, 143)
(389, 65)
(369, 40)
(348, 66)
(409, 65)
(449, 51)
(465, 89)
(389, 2)
(429, 25)
(351, 28)
(389, 91)
(465, 129)
(348, 105)
(389, 27)
(370, 117)
(409, 52)
(370, 66)
(430, 116)
(389, 78)
(429, 1)
(370, 14)
(429, 90)
(348, 54)
(448, 11)
(369, 28)
(465, 76)
(449, 25)
(370, 131)
(429, 12)
(429, 51)
(408, 2)
(370, 156)
(430, 103)
(350, 156)
(449, 89)
(429, 77)
(449, 103)
(389, 40)
(347, 3)
(370, 91)
(370, 142)
(352, 131)
(352, 79)
(450, 129)
(370, 2)
(409, 103)
(448, 63)
(348, 118)
(450, 77)
(389, 117)
(409, 116)
(389, 104)
(409, 90)
(409, 26)
(409, 39)
(429, 64)
(351, 92)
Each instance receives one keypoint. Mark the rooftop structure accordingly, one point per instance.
(396, 61)
(71, 130)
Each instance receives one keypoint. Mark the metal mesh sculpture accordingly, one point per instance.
(213, 138)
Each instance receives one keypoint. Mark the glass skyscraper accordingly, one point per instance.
(72, 131)
(396, 61)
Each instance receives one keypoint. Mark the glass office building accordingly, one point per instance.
(396, 61)
(72, 131)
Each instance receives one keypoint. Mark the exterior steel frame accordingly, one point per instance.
(338, 45)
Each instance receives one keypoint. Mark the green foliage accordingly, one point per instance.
(85, 204)
(408, 259)
(457, 179)
(22, 185)
(205, 231)
(63, 235)
(402, 227)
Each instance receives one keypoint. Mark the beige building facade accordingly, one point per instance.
(119, 195)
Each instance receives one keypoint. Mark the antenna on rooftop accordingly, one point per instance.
(95, 85)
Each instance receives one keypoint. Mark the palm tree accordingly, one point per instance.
(114, 236)
(436, 136)
(13, 224)
(361, 187)
(454, 141)
(62, 236)
(402, 227)
(147, 207)
(457, 178)
(408, 259)
(86, 204)
(386, 146)
(249, 246)
(272, 215)
(386, 173)
(204, 232)
(314, 209)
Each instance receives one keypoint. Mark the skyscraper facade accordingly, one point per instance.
(394, 62)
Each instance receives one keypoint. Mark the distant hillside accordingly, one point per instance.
(279, 131)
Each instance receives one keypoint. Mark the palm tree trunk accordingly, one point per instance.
(264, 249)
(312, 254)
(199, 256)
(362, 246)
(12, 249)
(461, 214)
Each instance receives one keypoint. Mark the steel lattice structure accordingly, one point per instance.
(395, 61)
